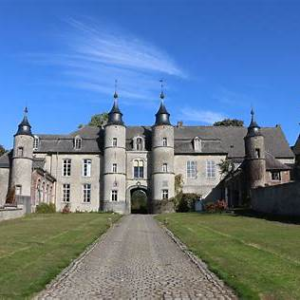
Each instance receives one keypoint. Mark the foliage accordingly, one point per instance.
(229, 122)
(11, 196)
(186, 202)
(258, 258)
(45, 208)
(218, 206)
(2, 150)
(50, 242)
(226, 166)
(178, 183)
(66, 209)
(97, 120)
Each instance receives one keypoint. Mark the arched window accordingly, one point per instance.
(77, 143)
(38, 192)
(138, 168)
(43, 191)
(36, 142)
(139, 144)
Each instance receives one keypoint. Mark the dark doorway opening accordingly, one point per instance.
(139, 201)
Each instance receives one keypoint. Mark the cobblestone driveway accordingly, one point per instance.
(137, 260)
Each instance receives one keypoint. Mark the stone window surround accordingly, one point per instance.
(87, 167)
(210, 169)
(87, 190)
(66, 167)
(66, 192)
(135, 143)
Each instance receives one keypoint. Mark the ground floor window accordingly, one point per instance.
(165, 194)
(276, 176)
(86, 193)
(18, 190)
(66, 192)
(114, 195)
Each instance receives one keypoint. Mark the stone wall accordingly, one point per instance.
(12, 213)
(283, 199)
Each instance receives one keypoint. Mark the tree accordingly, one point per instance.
(2, 150)
(230, 122)
(226, 166)
(97, 120)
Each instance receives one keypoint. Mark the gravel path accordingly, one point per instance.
(137, 260)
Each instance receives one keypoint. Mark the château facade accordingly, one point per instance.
(100, 168)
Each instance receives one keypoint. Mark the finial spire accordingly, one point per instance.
(116, 96)
(162, 94)
(25, 111)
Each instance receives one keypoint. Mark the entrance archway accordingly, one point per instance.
(139, 201)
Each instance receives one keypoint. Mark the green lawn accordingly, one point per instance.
(260, 259)
(34, 249)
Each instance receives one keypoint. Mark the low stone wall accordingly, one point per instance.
(12, 213)
(283, 199)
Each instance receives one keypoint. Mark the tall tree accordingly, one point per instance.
(97, 120)
(2, 150)
(230, 122)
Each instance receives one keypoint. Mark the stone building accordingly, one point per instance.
(97, 168)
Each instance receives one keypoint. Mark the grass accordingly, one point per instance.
(34, 249)
(259, 259)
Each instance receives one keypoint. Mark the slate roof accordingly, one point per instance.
(296, 147)
(215, 139)
(5, 160)
(273, 164)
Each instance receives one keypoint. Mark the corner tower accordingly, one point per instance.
(115, 161)
(163, 175)
(255, 156)
(22, 158)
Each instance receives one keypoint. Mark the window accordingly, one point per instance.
(87, 193)
(138, 169)
(47, 193)
(115, 142)
(18, 190)
(38, 191)
(43, 191)
(20, 152)
(197, 144)
(191, 168)
(165, 142)
(165, 168)
(67, 167)
(276, 175)
(210, 169)
(114, 168)
(139, 144)
(257, 153)
(87, 168)
(77, 143)
(165, 194)
(114, 195)
(36, 142)
(66, 192)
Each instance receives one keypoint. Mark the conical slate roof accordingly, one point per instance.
(162, 116)
(24, 127)
(254, 128)
(115, 115)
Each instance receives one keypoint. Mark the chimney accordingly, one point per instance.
(180, 124)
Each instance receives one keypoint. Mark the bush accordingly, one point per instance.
(186, 202)
(218, 206)
(45, 208)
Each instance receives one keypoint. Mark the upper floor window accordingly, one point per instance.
(138, 169)
(210, 169)
(67, 167)
(139, 144)
(36, 142)
(165, 167)
(87, 193)
(77, 143)
(165, 142)
(114, 168)
(115, 142)
(165, 194)
(257, 153)
(191, 168)
(197, 144)
(20, 152)
(66, 192)
(87, 168)
(276, 175)
(114, 195)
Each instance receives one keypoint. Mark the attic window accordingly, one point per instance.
(197, 144)
(138, 143)
(77, 143)
(36, 143)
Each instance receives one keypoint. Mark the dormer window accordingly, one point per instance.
(138, 144)
(197, 144)
(77, 143)
(36, 143)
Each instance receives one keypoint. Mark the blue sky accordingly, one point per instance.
(218, 58)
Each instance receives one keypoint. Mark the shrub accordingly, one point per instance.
(66, 209)
(186, 202)
(218, 206)
(45, 208)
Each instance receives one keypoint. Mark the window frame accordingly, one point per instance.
(20, 151)
(115, 142)
(165, 142)
(165, 168)
(165, 194)
(211, 169)
(66, 167)
(66, 198)
(138, 169)
(87, 192)
(87, 167)
(275, 173)
(114, 195)
(191, 169)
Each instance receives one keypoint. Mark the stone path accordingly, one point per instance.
(137, 260)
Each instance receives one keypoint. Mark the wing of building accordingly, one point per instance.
(97, 168)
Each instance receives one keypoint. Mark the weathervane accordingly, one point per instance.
(116, 86)
(162, 95)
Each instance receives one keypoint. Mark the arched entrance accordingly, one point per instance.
(139, 200)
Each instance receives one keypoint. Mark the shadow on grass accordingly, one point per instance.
(270, 217)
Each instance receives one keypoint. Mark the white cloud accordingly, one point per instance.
(201, 116)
